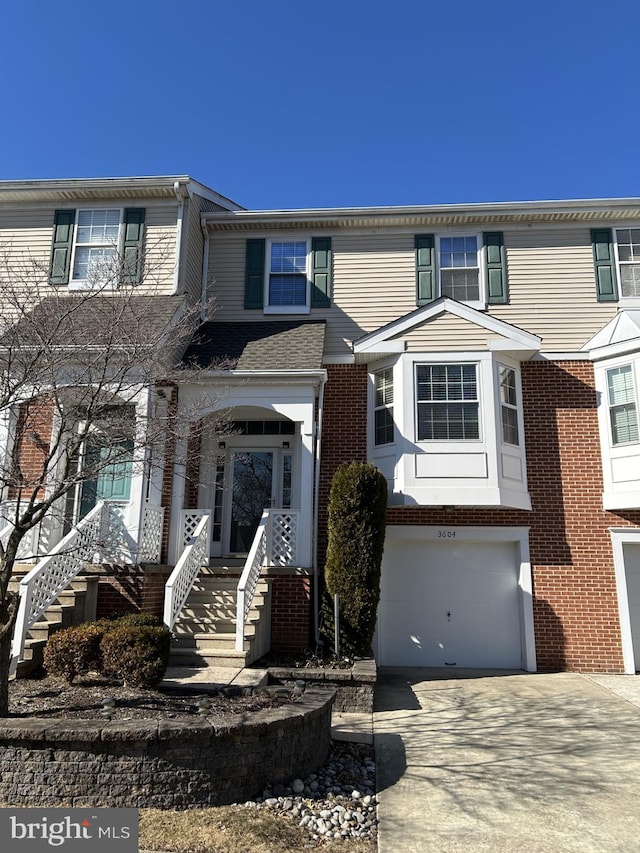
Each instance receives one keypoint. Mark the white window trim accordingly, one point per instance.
(83, 283)
(633, 365)
(627, 301)
(481, 303)
(447, 442)
(287, 309)
(374, 408)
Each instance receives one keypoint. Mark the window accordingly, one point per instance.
(102, 246)
(288, 280)
(628, 243)
(96, 245)
(383, 407)
(469, 268)
(509, 406)
(459, 268)
(447, 401)
(622, 405)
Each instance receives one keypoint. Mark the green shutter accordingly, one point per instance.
(63, 223)
(132, 254)
(425, 268)
(605, 265)
(321, 272)
(254, 274)
(495, 268)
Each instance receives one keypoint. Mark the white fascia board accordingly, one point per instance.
(520, 338)
(271, 377)
(613, 350)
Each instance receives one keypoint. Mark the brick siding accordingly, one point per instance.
(575, 601)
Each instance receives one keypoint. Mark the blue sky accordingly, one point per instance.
(290, 103)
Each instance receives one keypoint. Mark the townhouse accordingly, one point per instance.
(484, 357)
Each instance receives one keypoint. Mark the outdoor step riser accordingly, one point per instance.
(190, 658)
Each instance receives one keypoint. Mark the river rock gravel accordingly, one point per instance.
(339, 801)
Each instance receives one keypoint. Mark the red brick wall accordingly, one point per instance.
(291, 614)
(131, 589)
(575, 603)
(33, 438)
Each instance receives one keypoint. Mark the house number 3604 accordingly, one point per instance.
(446, 534)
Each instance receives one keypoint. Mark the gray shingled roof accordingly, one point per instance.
(268, 345)
(90, 320)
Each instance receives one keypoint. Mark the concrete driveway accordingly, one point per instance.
(506, 762)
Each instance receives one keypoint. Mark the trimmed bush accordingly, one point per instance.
(138, 654)
(136, 619)
(357, 509)
(75, 651)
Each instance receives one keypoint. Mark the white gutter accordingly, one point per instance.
(316, 497)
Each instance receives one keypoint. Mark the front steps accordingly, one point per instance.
(205, 631)
(74, 605)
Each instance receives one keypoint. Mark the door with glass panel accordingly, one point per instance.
(252, 491)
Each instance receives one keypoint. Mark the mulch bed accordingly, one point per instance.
(53, 697)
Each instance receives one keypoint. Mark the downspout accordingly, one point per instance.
(205, 272)
(316, 498)
(179, 193)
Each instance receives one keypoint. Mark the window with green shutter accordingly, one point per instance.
(288, 276)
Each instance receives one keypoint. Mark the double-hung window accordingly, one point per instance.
(96, 245)
(509, 405)
(288, 274)
(459, 268)
(383, 407)
(447, 402)
(623, 413)
(628, 245)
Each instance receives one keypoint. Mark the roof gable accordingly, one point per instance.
(395, 337)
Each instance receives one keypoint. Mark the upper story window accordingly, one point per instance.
(383, 407)
(459, 268)
(509, 406)
(97, 246)
(628, 246)
(623, 414)
(447, 402)
(288, 276)
(288, 280)
(469, 268)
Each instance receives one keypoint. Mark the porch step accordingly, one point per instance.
(74, 605)
(205, 631)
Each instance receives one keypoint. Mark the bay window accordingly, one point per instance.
(447, 402)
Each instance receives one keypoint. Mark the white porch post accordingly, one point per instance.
(134, 513)
(177, 497)
(306, 491)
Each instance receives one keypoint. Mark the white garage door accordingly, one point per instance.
(632, 567)
(449, 604)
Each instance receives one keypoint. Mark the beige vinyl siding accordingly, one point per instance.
(446, 333)
(552, 291)
(550, 272)
(160, 247)
(26, 234)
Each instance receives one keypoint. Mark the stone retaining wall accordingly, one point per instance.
(161, 764)
(354, 687)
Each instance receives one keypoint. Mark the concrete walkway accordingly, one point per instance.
(507, 762)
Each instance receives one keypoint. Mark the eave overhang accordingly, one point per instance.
(72, 190)
(416, 217)
(619, 337)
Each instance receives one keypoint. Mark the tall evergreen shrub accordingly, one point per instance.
(357, 506)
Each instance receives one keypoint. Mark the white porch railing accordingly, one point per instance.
(151, 539)
(41, 586)
(194, 556)
(27, 549)
(256, 559)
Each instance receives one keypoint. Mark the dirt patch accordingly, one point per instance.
(53, 697)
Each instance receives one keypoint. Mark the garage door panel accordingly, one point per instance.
(449, 605)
